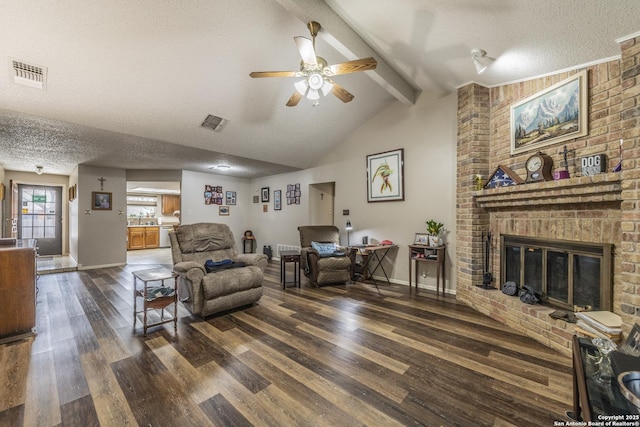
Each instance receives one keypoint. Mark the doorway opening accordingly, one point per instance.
(321, 201)
(153, 209)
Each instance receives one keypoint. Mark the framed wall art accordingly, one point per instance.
(223, 210)
(231, 197)
(277, 200)
(264, 191)
(385, 176)
(293, 194)
(101, 200)
(553, 115)
(213, 195)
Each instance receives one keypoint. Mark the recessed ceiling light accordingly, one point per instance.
(223, 167)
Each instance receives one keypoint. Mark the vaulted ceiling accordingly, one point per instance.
(129, 83)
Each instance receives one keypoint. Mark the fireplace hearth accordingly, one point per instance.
(566, 274)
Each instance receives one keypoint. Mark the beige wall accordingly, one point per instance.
(102, 238)
(427, 132)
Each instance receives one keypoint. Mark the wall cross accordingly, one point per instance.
(102, 181)
(565, 153)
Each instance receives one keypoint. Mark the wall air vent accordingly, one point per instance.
(29, 74)
(214, 122)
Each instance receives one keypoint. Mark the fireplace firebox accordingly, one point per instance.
(564, 273)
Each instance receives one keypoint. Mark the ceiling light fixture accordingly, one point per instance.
(222, 167)
(39, 170)
(313, 85)
(480, 60)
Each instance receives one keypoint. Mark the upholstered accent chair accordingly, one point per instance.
(329, 267)
(230, 284)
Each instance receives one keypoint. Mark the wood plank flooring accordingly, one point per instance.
(331, 356)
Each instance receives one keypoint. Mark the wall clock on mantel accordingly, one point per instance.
(539, 168)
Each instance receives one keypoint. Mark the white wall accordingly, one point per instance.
(427, 132)
(193, 209)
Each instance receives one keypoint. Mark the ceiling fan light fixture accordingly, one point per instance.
(316, 73)
(313, 94)
(315, 80)
(301, 86)
(480, 60)
(327, 87)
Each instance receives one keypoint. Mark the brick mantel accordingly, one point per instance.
(581, 190)
(604, 208)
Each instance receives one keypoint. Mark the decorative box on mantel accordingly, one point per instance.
(600, 188)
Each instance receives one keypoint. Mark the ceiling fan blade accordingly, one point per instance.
(363, 64)
(256, 74)
(293, 101)
(307, 52)
(341, 93)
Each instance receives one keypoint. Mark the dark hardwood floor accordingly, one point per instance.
(331, 356)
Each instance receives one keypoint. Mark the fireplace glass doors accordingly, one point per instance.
(564, 273)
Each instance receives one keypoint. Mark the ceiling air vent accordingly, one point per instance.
(29, 74)
(214, 122)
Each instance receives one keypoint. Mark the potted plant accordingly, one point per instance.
(434, 228)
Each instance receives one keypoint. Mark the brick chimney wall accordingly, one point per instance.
(601, 209)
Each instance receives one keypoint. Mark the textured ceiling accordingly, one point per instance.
(129, 83)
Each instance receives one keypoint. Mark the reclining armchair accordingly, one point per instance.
(322, 258)
(229, 279)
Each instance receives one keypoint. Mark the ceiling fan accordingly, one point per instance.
(315, 73)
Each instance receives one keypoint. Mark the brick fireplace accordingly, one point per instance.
(600, 209)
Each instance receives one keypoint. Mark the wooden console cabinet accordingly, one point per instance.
(18, 289)
(143, 237)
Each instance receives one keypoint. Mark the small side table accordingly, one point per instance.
(433, 254)
(375, 254)
(292, 257)
(155, 298)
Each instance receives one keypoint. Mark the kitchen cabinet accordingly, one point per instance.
(170, 203)
(18, 289)
(151, 237)
(143, 237)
